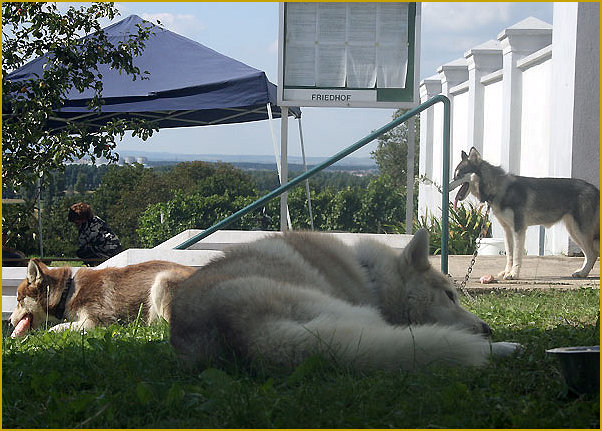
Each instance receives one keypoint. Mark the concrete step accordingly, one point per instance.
(222, 239)
(197, 255)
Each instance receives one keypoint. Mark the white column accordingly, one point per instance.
(452, 74)
(517, 42)
(575, 115)
(576, 96)
(586, 127)
(482, 60)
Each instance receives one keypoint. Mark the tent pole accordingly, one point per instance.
(278, 166)
(274, 142)
(311, 217)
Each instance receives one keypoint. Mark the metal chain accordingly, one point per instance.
(474, 254)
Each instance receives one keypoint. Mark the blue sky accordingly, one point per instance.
(248, 32)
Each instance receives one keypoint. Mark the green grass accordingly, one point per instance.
(72, 263)
(129, 377)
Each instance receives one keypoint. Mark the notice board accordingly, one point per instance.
(349, 54)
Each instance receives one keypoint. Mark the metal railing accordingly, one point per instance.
(359, 144)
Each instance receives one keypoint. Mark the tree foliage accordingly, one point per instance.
(126, 191)
(148, 206)
(375, 208)
(391, 153)
(32, 30)
(164, 220)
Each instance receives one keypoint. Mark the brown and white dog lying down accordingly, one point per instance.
(94, 297)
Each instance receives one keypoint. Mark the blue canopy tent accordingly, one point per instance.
(189, 85)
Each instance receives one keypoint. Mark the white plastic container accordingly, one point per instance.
(492, 247)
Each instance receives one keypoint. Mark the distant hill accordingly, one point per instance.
(246, 161)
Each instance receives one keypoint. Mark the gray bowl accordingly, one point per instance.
(580, 367)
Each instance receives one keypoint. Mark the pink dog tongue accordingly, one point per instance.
(461, 194)
(22, 327)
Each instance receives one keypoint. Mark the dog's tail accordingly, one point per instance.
(364, 347)
(159, 296)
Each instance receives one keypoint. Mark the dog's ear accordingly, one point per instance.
(416, 253)
(464, 156)
(474, 155)
(34, 271)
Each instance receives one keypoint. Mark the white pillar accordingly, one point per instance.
(575, 100)
(453, 74)
(575, 115)
(586, 119)
(482, 60)
(517, 42)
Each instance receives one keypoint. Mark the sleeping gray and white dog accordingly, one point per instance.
(518, 202)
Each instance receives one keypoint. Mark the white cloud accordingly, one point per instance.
(123, 9)
(463, 16)
(185, 24)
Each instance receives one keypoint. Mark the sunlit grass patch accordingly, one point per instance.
(128, 376)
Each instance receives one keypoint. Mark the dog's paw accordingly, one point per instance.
(502, 275)
(67, 326)
(58, 328)
(512, 274)
(505, 348)
(579, 274)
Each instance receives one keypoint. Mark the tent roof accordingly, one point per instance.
(189, 85)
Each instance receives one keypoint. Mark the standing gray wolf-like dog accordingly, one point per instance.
(518, 202)
(283, 298)
(94, 297)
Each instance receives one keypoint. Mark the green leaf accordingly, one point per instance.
(144, 393)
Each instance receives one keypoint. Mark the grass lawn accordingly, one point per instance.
(129, 377)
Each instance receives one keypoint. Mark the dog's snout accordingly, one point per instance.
(486, 329)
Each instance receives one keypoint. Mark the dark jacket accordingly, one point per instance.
(97, 240)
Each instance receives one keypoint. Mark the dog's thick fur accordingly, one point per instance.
(95, 297)
(283, 298)
(518, 202)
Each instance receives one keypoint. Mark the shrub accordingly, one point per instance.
(465, 224)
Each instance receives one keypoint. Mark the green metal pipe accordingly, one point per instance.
(359, 144)
(445, 188)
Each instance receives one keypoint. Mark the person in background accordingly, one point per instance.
(96, 239)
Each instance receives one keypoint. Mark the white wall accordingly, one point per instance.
(459, 139)
(492, 133)
(492, 128)
(535, 124)
(554, 85)
(535, 133)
